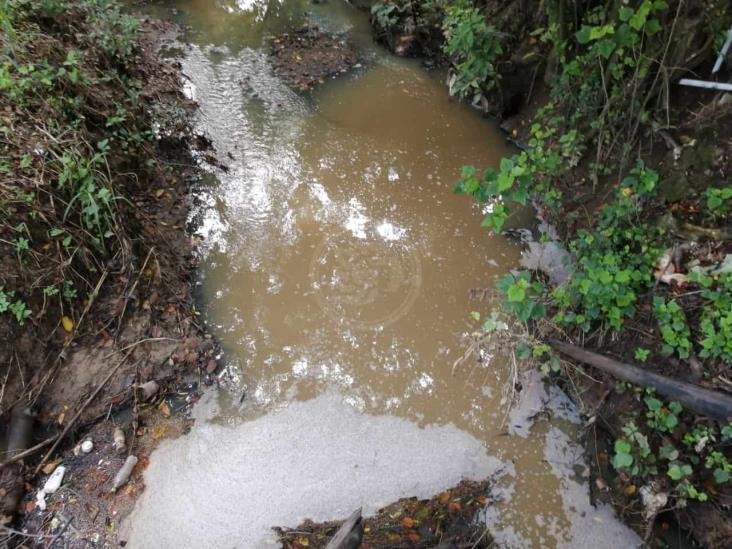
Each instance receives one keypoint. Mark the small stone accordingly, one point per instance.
(87, 446)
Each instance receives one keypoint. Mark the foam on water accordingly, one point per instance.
(224, 486)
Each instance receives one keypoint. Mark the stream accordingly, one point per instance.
(337, 272)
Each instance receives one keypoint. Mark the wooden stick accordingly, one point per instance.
(703, 401)
(28, 452)
(83, 407)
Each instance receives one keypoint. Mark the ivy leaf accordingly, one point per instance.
(584, 35)
(625, 13)
(652, 27)
(516, 293)
(720, 476)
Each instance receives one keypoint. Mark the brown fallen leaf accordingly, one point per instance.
(164, 407)
(407, 522)
(49, 467)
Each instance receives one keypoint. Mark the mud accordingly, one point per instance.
(309, 56)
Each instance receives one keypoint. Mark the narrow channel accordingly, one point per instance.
(337, 269)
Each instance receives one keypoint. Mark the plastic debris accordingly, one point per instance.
(652, 501)
(52, 484)
(124, 473)
(120, 445)
(666, 270)
(87, 446)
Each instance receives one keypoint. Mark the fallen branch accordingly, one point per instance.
(29, 452)
(703, 401)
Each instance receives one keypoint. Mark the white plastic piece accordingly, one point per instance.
(124, 473)
(87, 446)
(52, 484)
(54, 481)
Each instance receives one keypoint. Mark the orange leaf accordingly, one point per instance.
(407, 522)
(454, 506)
(444, 496)
(413, 537)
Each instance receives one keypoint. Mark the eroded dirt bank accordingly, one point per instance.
(96, 262)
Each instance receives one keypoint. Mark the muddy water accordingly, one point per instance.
(337, 274)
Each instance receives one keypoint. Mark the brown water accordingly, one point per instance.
(337, 256)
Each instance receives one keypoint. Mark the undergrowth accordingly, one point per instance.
(77, 144)
(611, 68)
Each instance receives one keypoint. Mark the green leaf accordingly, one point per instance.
(720, 476)
(516, 293)
(584, 35)
(625, 13)
(622, 446)
(506, 164)
(622, 461)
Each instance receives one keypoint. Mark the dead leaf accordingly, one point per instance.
(305, 542)
(629, 490)
(158, 431)
(454, 506)
(61, 417)
(49, 467)
(413, 537)
(444, 497)
(164, 407)
(67, 323)
(407, 522)
(159, 193)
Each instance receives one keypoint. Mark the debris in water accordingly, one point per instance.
(446, 520)
(306, 57)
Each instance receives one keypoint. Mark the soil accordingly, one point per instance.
(307, 57)
(448, 520)
(143, 323)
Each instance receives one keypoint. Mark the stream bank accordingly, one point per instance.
(629, 171)
(96, 264)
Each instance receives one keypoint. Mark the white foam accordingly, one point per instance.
(226, 487)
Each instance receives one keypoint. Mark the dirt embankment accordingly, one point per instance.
(111, 340)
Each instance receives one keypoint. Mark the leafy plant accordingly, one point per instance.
(15, 306)
(521, 295)
(717, 200)
(674, 328)
(473, 46)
